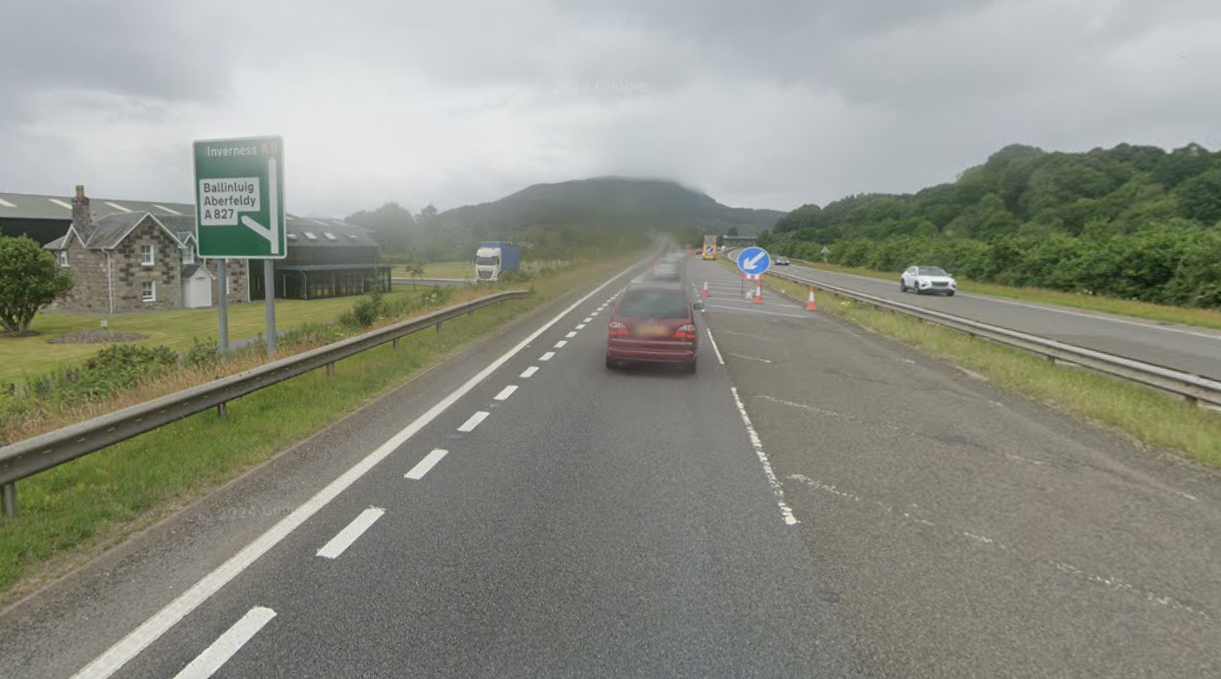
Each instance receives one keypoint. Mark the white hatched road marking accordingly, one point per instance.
(785, 511)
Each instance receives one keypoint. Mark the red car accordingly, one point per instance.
(652, 323)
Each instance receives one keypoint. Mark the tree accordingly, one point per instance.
(733, 231)
(30, 279)
(416, 269)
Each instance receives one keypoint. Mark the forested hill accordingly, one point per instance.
(601, 212)
(1133, 221)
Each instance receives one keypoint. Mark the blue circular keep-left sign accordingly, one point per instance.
(754, 260)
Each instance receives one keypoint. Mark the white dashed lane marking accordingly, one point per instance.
(424, 466)
(561, 344)
(506, 392)
(547, 356)
(340, 543)
(529, 372)
(474, 421)
(215, 656)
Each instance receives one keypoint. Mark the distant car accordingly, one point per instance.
(782, 261)
(922, 279)
(652, 323)
(666, 271)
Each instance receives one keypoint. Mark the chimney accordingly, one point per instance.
(81, 219)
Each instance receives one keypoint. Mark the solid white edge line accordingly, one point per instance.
(547, 356)
(424, 466)
(138, 639)
(506, 393)
(227, 645)
(474, 421)
(712, 339)
(757, 444)
(350, 533)
(529, 372)
(561, 344)
(571, 335)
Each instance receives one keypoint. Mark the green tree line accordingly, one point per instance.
(1136, 222)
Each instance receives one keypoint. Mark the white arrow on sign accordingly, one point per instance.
(754, 261)
(270, 232)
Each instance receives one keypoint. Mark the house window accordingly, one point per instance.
(330, 236)
(63, 258)
(309, 235)
(188, 255)
(146, 255)
(148, 291)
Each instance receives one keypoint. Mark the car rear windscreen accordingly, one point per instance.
(653, 304)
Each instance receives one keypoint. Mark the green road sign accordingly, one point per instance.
(239, 198)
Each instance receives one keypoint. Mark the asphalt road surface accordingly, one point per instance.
(1190, 349)
(816, 502)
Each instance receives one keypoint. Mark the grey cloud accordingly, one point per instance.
(773, 104)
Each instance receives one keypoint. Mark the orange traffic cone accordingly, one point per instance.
(759, 294)
(705, 292)
(810, 304)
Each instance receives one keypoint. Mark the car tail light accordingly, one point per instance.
(687, 332)
(616, 329)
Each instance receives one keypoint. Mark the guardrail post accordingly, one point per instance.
(396, 343)
(8, 494)
(330, 369)
(222, 411)
(438, 327)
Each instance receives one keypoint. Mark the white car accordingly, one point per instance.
(921, 279)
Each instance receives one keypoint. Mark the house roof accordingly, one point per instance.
(42, 206)
(49, 206)
(57, 244)
(191, 269)
(333, 233)
(107, 232)
(113, 219)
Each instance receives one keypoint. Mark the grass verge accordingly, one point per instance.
(72, 512)
(1201, 318)
(21, 356)
(1143, 415)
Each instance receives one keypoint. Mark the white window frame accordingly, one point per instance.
(64, 262)
(188, 254)
(151, 253)
(151, 290)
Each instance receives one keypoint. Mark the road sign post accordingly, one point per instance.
(239, 208)
(223, 305)
(825, 252)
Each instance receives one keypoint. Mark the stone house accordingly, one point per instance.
(130, 261)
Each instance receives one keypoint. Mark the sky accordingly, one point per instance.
(758, 104)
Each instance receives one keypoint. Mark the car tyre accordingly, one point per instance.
(611, 363)
(949, 294)
(902, 286)
(689, 368)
